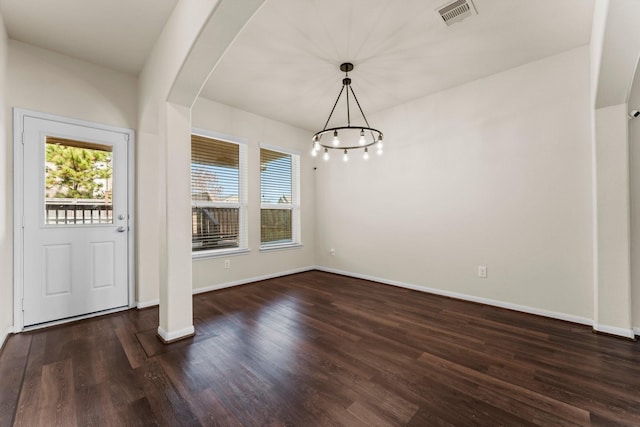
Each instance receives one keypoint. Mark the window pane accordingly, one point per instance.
(278, 196)
(78, 182)
(215, 182)
(215, 172)
(275, 226)
(275, 177)
(214, 228)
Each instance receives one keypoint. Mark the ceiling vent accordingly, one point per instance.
(456, 11)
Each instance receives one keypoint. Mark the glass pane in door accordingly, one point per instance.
(78, 182)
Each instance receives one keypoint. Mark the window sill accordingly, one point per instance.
(281, 246)
(218, 253)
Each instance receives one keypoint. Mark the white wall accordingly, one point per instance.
(6, 205)
(496, 172)
(615, 46)
(220, 118)
(634, 155)
(612, 302)
(45, 81)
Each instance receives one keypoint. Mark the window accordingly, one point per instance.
(78, 182)
(218, 194)
(280, 198)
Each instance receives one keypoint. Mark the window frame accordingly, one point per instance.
(294, 207)
(241, 205)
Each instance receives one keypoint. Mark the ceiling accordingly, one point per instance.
(284, 64)
(118, 34)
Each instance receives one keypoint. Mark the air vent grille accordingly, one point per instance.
(456, 11)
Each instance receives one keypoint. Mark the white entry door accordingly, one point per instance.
(75, 220)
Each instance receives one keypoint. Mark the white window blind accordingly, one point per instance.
(218, 194)
(279, 193)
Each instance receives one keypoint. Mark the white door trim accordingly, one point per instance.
(18, 205)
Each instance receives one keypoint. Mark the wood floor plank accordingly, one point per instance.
(58, 401)
(168, 406)
(319, 349)
(508, 396)
(211, 411)
(129, 342)
(27, 411)
(13, 364)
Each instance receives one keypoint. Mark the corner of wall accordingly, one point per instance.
(6, 194)
(634, 172)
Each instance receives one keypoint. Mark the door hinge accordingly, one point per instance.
(22, 304)
(22, 221)
(22, 137)
(126, 137)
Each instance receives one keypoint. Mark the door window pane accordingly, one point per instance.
(78, 182)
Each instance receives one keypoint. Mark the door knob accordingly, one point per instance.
(122, 229)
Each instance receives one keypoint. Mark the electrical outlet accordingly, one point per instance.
(332, 252)
(482, 271)
(227, 263)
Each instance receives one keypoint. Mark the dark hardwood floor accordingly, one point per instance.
(317, 349)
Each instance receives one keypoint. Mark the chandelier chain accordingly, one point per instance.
(333, 109)
(359, 107)
(348, 109)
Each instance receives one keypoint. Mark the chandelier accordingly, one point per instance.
(346, 138)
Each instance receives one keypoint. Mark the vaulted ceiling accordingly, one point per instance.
(284, 64)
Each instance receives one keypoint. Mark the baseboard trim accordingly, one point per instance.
(146, 304)
(171, 337)
(613, 330)
(516, 307)
(251, 280)
(5, 336)
(636, 331)
(152, 303)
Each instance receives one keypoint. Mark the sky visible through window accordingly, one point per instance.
(219, 182)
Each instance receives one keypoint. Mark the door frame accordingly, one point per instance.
(19, 115)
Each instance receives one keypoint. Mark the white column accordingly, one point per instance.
(192, 41)
(612, 290)
(176, 309)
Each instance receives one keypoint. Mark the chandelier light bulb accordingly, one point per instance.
(346, 156)
(362, 141)
(366, 154)
(325, 156)
(379, 151)
(314, 152)
(316, 145)
(335, 141)
(380, 145)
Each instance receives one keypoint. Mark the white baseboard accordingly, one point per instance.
(251, 280)
(5, 335)
(146, 304)
(465, 297)
(636, 330)
(154, 302)
(613, 330)
(170, 337)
